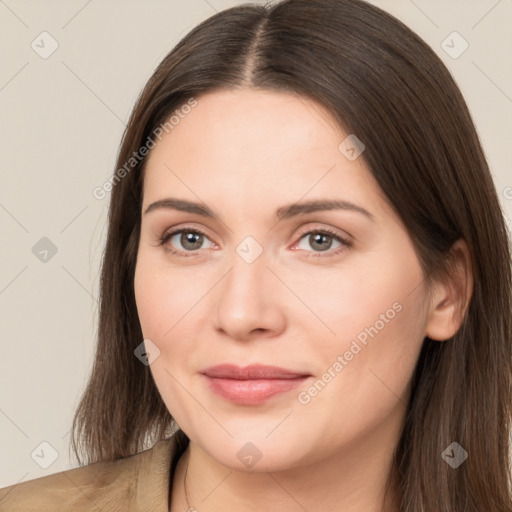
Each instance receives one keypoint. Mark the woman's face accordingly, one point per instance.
(334, 296)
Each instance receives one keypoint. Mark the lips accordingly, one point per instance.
(251, 385)
(254, 371)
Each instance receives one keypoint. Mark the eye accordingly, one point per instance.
(190, 240)
(321, 239)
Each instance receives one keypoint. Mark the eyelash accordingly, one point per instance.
(345, 243)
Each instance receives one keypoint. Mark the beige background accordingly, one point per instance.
(61, 122)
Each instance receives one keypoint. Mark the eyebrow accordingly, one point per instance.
(285, 212)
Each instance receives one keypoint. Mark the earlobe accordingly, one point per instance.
(451, 295)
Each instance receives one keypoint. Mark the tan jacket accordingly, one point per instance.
(137, 483)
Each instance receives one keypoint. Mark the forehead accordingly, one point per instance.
(248, 146)
(231, 121)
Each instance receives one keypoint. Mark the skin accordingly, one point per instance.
(244, 153)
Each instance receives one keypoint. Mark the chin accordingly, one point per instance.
(250, 454)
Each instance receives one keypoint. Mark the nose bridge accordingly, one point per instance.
(246, 300)
(248, 273)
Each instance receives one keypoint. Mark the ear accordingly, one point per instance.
(450, 295)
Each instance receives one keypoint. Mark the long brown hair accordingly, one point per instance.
(387, 86)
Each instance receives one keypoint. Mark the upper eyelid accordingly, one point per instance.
(302, 231)
(174, 231)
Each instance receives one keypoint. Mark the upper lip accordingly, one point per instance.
(253, 371)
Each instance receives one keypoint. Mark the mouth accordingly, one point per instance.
(251, 385)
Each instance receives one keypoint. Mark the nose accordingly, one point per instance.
(249, 301)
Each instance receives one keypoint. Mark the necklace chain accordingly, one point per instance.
(189, 509)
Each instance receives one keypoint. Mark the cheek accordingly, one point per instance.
(166, 298)
(363, 373)
(373, 299)
(378, 314)
(373, 317)
(165, 305)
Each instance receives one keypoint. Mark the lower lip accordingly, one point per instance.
(254, 391)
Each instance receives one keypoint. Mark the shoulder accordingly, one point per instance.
(130, 483)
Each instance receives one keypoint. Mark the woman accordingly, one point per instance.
(306, 289)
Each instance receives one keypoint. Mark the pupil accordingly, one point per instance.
(321, 236)
(189, 238)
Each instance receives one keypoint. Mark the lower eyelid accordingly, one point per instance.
(344, 244)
